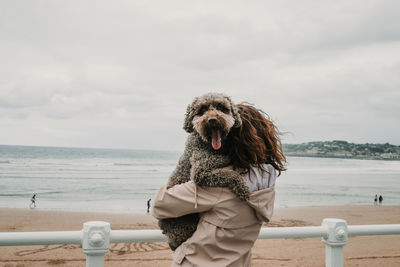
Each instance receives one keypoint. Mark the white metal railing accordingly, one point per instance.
(95, 237)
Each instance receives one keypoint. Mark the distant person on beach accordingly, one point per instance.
(380, 200)
(33, 202)
(376, 200)
(148, 205)
(228, 227)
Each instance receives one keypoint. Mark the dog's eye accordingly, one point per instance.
(202, 110)
(222, 108)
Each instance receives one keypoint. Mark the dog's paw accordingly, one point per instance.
(242, 192)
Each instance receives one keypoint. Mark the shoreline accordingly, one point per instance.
(360, 251)
(304, 215)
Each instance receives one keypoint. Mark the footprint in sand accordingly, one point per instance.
(44, 249)
(130, 248)
(117, 248)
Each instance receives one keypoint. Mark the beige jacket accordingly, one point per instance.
(227, 229)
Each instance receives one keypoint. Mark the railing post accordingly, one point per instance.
(334, 241)
(95, 242)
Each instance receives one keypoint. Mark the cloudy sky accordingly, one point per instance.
(120, 74)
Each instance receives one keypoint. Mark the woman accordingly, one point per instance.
(228, 227)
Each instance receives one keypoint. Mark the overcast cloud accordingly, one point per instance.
(121, 73)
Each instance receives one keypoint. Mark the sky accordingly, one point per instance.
(120, 74)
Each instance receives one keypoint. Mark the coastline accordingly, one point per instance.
(360, 251)
(305, 155)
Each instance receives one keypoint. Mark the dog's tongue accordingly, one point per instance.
(216, 139)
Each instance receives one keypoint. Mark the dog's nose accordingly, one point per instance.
(212, 119)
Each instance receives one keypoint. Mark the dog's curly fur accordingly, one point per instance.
(201, 162)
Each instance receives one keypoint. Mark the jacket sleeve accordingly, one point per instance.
(184, 199)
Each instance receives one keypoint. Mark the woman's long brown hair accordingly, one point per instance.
(256, 142)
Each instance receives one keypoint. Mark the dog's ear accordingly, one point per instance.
(236, 115)
(190, 112)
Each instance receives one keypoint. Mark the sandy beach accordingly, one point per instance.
(360, 251)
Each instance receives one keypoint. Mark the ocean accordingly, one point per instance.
(121, 181)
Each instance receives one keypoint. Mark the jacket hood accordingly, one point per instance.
(262, 201)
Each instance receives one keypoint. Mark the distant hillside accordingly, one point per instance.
(343, 149)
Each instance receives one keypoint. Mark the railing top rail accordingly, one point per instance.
(374, 229)
(40, 238)
(120, 236)
(293, 232)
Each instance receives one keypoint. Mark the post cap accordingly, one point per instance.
(337, 232)
(96, 237)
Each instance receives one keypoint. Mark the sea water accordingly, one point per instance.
(122, 181)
